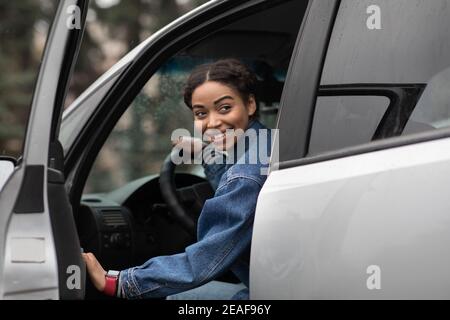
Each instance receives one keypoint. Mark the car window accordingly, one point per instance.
(391, 44)
(24, 28)
(140, 141)
(340, 122)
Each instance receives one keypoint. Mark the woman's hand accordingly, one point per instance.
(189, 144)
(95, 270)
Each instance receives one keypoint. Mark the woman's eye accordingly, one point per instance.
(200, 114)
(225, 108)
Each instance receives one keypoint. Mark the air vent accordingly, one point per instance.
(113, 219)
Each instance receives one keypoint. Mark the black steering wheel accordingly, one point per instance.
(178, 200)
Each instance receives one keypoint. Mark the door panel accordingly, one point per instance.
(319, 227)
(32, 254)
(333, 224)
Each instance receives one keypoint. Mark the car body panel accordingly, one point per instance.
(321, 227)
(32, 272)
(362, 222)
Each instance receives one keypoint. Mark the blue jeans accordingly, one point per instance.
(214, 290)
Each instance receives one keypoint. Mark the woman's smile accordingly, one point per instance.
(220, 112)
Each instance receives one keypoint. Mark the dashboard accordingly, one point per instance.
(130, 225)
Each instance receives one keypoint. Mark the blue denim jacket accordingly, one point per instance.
(224, 236)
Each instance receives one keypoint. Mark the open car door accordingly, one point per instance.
(39, 247)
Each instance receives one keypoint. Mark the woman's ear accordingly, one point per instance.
(251, 106)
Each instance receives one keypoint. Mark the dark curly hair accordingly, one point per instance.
(229, 72)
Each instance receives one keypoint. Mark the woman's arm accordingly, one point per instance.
(225, 231)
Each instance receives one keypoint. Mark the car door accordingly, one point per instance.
(357, 205)
(39, 251)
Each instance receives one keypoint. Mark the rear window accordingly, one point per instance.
(346, 121)
(400, 48)
(24, 27)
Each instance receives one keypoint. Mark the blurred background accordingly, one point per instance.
(113, 28)
(141, 140)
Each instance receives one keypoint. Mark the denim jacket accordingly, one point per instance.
(224, 236)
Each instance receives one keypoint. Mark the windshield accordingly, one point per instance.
(24, 27)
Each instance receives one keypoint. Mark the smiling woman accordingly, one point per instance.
(222, 96)
(220, 116)
(127, 186)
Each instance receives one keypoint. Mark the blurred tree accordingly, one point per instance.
(22, 23)
(127, 22)
(113, 26)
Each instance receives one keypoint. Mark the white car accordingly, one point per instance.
(355, 205)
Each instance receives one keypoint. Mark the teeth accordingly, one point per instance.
(217, 137)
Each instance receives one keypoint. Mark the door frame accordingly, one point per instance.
(302, 84)
(28, 255)
(185, 31)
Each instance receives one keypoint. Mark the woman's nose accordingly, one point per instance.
(213, 122)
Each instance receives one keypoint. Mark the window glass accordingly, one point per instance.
(341, 122)
(391, 44)
(412, 45)
(140, 141)
(24, 26)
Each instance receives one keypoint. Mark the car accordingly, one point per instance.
(354, 206)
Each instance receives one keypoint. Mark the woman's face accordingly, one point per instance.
(218, 109)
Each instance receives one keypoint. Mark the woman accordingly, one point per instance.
(222, 97)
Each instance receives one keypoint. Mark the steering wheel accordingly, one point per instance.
(178, 199)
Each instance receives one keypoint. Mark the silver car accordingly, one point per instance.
(354, 206)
